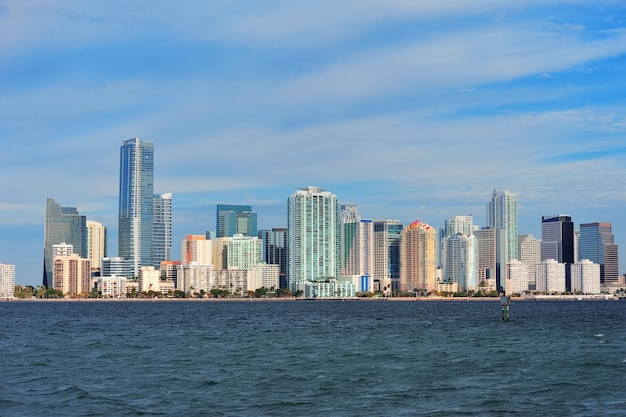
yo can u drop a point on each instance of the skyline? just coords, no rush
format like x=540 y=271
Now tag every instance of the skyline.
x=410 y=110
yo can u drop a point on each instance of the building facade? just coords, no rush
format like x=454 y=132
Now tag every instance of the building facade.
x=387 y=234
x=598 y=245
x=162 y=230
x=313 y=237
x=235 y=219
x=7 y=281
x=274 y=244
x=586 y=277
x=530 y=255
x=71 y=274
x=196 y=248
x=550 y=276
x=96 y=244
x=136 y=203
x=502 y=217
x=63 y=224
x=460 y=261
x=418 y=258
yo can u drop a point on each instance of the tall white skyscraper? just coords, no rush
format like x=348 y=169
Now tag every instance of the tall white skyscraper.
x=313 y=237
x=502 y=216
x=460 y=261
x=136 y=203
x=529 y=254
x=357 y=247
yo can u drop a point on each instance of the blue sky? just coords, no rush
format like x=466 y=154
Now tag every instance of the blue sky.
x=409 y=109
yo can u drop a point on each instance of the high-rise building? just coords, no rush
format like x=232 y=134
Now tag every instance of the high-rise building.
x=244 y=252
x=502 y=216
x=71 y=274
x=274 y=244
x=486 y=257
x=387 y=235
x=63 y=224
x=586 y=277
x=196 y=248
x=517 y=273
x=597 y=244
x=357 y=248
x=459 y=224
x=530 y=254
x=162 y=232
x=550 y=276
x=7 y=280
x=557 y=242
x=96 y=244
x=136 y=203
x=234 y=219
x=313 y=237
x=418 y=258
x=460 y=261
x=116 y=266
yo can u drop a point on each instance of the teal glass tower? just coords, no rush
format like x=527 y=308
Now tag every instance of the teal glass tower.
x=136 y=204
x=63 y=224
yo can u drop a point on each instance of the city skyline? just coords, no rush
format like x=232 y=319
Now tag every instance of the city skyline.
x=410 y=110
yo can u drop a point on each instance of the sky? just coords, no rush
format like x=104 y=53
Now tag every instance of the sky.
x=409 y=109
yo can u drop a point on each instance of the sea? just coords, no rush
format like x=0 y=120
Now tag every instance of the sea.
x=312 y=358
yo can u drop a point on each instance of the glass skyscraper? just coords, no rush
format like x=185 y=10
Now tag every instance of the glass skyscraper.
x=63 y=225
x=502 y=216
x=162 y=234
x=597 y=244
x=313 y=237
x=235 y=219
x=136 y=204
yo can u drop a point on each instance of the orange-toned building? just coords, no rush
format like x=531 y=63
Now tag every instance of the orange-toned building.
x=418 y=257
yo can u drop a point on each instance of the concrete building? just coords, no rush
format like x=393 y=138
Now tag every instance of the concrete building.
x=244 y=252
x=195 y=277
x=586 y=277
x=71 y=274
x=149 y=279
x=263 y=275
x=332 y=288
x=460 y=261
x=486 y=239
x=96 y=244
x=357 y=247
x=518 y=277
x=111 y=287
x=313 y=237
x=7 y=281
x=550 y=276
x=530 y=255
x=418 y=258
x=197 y=248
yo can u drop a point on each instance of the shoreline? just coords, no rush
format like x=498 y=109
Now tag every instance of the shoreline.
x=601 y=297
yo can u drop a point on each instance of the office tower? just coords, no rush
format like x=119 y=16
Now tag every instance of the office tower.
x=357 y=247
x=597 y=244
x=550 y=276
x=244 y=252
x=586 y=277
x=233 y=219
x=460 y=261
x=313 y=237
x=529 y=249
x=418 y=258
x=162 y=232
x=117 y=267
x=136 y=203
x=486 y=257
x=502 y=216
x=196 y=248
x=96 y=244
x=387 y=235
x=557 y=242
x=63 y=224
x=274 y=244
x=71 y=274
x=7 y=280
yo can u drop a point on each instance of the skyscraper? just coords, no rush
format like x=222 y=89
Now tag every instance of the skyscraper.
x=7 y=280
x=313 y=237
x=63 y=225
x=597 y=244
x=418 y=257
x=460 y=260
x=502 y=216
x=530 y=255
x=162 y=234
x=387 y=235
x=136 y=203
x=233 y=219
x=357 y=247
x=275 y=251
x=557 y=242
x=96 y=244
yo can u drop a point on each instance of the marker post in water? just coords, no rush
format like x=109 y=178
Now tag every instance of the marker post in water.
x=505 y=302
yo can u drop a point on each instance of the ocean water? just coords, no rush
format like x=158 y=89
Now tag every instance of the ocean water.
x=312 y=358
